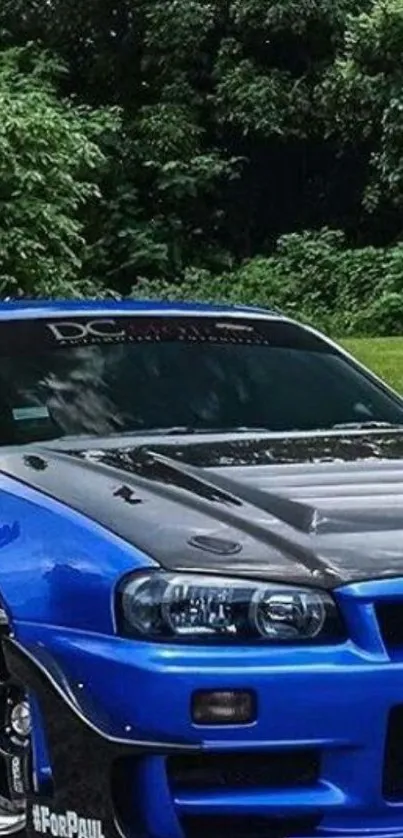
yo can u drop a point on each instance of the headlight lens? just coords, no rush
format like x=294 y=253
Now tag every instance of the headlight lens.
x=193 y=608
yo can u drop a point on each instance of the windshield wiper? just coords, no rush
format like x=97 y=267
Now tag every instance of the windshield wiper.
x=176 y=430
x=366 y=425
x=183 y=430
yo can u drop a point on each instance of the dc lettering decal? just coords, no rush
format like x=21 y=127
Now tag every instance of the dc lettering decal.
x=73 y=331
x=68 y=825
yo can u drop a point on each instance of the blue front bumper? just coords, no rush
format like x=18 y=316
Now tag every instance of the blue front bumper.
x=328 y=709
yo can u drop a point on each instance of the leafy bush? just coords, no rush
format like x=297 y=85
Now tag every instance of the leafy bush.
x=49 y=163
x=315 y=277
x=238 y=121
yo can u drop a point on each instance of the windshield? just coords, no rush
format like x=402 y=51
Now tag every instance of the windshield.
x=134 y=374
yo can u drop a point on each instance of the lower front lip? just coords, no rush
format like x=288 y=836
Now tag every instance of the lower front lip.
x=334 y=704
x=309 y=702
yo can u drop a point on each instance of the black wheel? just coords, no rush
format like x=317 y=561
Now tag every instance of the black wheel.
x=15 y=748
x=14 y=758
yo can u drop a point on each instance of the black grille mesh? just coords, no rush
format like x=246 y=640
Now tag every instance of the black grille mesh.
x=241 y=771
x=393 y=764
x=248 y=827
x=390 y=620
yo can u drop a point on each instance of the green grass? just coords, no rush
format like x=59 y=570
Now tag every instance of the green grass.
x=382 y=355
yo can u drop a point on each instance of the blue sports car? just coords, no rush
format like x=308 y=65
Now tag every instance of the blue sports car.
x=201 y=577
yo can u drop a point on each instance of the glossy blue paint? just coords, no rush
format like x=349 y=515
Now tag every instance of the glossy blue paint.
x=35 y=309
x=62 y=567
x=57 y=580
x=334 y=699
x=58 y=572
x=9 y=533
x=41 y=768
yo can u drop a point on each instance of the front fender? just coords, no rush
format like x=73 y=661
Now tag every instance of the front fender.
x=75 y=797
x=58 y=567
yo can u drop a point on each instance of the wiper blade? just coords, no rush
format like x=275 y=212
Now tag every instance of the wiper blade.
x=347 y=426
x=177 y=430
x=183 y=430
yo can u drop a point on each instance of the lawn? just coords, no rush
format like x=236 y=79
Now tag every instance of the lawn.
x=382 y=355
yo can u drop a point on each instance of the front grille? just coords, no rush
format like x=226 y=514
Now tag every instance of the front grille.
x=247 y=827
x=244 y=770
x=393 y=764
x=390 y=620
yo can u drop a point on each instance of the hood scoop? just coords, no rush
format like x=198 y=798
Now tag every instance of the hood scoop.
x=211 y=486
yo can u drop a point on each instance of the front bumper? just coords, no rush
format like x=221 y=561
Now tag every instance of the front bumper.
x=119 y=749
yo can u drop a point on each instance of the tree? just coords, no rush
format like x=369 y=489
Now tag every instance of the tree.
x=50 y=162
x=363 y=100
x=242 y=120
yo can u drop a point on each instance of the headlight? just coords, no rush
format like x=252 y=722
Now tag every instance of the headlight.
x=192 y=608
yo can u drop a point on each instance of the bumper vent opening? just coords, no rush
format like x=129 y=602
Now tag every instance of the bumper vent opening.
x=291 y=769
x=390 y=620
x=393 y=765
x=127 y=803
x=248 y=827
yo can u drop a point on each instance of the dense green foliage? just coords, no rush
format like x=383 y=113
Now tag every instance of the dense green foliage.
x=249 y=149
x=311 y=276
x=48 y=152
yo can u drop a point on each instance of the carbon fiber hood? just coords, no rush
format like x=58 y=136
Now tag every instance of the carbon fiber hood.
x=323 y=510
